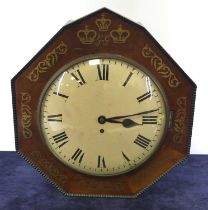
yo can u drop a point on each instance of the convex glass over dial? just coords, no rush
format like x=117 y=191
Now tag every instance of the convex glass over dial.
x=103 y=116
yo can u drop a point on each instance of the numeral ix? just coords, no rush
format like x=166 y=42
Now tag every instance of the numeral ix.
x=55 y=118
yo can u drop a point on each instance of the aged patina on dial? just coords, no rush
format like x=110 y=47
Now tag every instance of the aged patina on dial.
x=103 y=116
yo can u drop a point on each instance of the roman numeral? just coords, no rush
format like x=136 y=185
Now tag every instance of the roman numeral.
x=61 y=138
x=101 y=162
x=55 y=118
x=125 y=156
x=78 y=77
x=144 y=96
x=142 y=141
x=149 y=119
x=127 y=79
x=103 y=71
x=78 y=155
x=61 y=95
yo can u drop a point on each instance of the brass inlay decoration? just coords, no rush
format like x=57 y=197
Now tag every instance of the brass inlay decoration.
x=101 y=186
x=103 y=23
x=87 y=36
x=26 y=115
x=144 y=175
x=49 y=167
x=179 y=122
x=49 y=61
x=160 y=66
x=119 y=35
x=103 y=35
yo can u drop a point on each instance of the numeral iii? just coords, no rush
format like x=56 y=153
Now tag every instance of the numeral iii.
x=149 y=119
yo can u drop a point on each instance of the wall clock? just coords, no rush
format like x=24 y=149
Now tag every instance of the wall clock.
x=102 y=109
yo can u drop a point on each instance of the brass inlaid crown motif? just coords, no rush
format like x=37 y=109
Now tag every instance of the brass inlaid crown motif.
x=119 y=35
x=104 y=34
x=86 y=36
x=103 y=23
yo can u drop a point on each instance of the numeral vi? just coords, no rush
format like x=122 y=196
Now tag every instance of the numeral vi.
x=101 y=162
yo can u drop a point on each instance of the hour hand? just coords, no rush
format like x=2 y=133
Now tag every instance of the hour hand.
x=127 y=123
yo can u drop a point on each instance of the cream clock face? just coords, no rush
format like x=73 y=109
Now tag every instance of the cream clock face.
x=103 y=116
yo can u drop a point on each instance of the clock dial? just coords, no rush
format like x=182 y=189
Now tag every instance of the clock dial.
x=103 y=116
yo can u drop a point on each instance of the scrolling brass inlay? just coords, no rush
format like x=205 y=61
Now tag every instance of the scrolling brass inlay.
x=26 y=114
x=160 y=66
x=49 y=167
x=179 y=122
x=101 y=186
x=49 y=61
x=103 y=35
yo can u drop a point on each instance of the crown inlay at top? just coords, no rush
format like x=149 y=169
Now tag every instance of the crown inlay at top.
x=104 y=34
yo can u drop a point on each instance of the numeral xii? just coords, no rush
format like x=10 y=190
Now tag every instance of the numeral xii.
x=103 y=71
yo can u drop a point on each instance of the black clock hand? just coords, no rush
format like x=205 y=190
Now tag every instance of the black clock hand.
x=112 y=119
x=127 y=123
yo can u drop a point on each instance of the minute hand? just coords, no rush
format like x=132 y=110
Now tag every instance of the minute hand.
x=124 y=116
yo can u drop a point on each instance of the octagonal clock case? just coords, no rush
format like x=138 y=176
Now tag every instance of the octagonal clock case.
x=102 y=109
